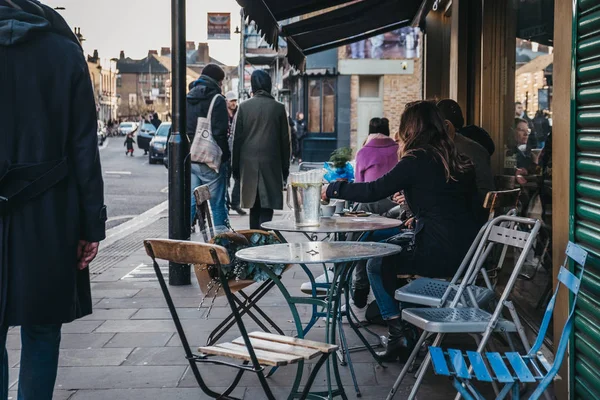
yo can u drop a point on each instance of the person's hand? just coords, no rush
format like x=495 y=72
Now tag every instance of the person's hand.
x=86 y=252
x=521 y=171
x=521 y=180
x=398 y=198
x=324 y=193
x=410 y=223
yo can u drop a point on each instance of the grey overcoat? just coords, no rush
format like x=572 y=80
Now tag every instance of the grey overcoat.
x=261 y=150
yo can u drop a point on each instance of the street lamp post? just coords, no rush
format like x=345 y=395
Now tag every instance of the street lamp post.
x=178 y=151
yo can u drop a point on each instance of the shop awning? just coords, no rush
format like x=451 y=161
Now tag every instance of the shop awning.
x=350 y=22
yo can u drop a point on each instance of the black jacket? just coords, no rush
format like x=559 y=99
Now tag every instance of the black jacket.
x=445 y=212
x=198 y=103
x=48 y=113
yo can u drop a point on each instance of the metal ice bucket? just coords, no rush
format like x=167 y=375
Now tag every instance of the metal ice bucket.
x=305 y=202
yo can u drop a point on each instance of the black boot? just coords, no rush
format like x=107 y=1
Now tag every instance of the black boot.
x=401 y=341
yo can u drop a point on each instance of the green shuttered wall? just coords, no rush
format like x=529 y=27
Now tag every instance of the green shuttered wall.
x=585 y=360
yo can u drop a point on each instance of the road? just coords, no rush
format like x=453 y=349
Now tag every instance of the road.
x=131 y=185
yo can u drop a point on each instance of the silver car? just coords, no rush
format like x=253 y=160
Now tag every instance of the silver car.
x=158 y=144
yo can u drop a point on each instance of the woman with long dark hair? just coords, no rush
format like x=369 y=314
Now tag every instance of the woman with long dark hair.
x=439 y=187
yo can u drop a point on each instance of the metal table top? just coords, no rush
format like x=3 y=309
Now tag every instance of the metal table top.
x=316 y=252
x=336 y=225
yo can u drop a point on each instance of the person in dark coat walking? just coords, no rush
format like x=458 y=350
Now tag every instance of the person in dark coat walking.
x=207 y=87
x=155 y=120
x=52 y=215
x=439 y=187
x=261 y=151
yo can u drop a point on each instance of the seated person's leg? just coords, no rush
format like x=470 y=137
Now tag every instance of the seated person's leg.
x=382 y=274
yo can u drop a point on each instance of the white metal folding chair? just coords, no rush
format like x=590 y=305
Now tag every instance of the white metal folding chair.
x=456 y=318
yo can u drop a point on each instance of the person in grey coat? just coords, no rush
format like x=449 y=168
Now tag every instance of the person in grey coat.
x=261 y=151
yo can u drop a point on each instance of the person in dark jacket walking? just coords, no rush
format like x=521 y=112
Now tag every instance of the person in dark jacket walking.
x=261 y=151
x=439 y=187
x=301 y=131
x=155 y=120
x=53 y=215
x=198 y=103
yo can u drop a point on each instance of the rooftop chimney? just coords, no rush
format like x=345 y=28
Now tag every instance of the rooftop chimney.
x=96 y=55
x=151 y=52
x=190 y=46
x=122 y=55
x=165 y=51
x=203 y=55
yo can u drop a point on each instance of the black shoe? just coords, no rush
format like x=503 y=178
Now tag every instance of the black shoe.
x=238 y=210
x=401 y=341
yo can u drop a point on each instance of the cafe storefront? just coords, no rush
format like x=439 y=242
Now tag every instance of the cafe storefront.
x=488 y=55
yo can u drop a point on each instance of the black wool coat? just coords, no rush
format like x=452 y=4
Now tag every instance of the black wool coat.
x=48 y=113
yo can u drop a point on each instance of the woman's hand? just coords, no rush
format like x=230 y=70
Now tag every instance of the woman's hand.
x=324 y=193
x=398 y=198
x=410 y=223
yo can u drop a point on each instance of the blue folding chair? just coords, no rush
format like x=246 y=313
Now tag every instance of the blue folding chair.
x=529 y=368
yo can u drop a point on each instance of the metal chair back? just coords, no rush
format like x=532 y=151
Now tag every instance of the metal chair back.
x=203 y=215
x=573 y=283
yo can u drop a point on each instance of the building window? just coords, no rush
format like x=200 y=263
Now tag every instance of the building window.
x=119 y=81
x=321 y=105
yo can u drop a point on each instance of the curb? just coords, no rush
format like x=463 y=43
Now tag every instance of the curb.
x=133 y=225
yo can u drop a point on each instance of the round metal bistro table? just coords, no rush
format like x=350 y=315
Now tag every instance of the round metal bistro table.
x=343 y=255
x=334 y=225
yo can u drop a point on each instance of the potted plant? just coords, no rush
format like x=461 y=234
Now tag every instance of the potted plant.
x=339 y=167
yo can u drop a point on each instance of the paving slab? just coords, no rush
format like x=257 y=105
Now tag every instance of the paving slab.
x=93 y=357
x=84 y=340
x=126 y=340
x=154 y=394
x=157 y=356
x=163 y=313
x=124 y=377
x=102 y=314
x=81 y=326
x=57 y=395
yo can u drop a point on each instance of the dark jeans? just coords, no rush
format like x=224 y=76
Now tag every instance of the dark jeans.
x=259 y=215
x=39 y=362
x=360 y=284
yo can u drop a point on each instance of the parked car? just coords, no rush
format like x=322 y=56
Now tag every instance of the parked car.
x=145 y=133
x=125 y=128
x=101 y=133
x=158 y=145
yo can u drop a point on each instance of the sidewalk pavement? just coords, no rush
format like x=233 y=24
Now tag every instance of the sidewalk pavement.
x=128 y=349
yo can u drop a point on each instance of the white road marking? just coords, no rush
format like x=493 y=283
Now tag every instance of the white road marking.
x=120 y=217
x=165 y=190
x=117 y=172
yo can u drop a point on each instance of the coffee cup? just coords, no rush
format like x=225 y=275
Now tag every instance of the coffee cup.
x=327 y=211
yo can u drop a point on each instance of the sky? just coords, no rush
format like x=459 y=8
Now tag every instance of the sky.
x=137 y=26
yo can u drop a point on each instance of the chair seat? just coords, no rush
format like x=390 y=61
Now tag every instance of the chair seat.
x=429 y=292
x=270 y=349
x=454 y=320
x=505 y=368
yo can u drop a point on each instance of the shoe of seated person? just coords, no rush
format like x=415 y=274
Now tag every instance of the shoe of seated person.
x=307 y=287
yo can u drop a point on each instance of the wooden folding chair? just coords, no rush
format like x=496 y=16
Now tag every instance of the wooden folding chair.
x=256 y=349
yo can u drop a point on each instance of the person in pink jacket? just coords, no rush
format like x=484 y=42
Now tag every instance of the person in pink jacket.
x=379 y=154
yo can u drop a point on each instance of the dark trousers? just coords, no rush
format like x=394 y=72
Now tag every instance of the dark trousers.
x=39 y=362
x=259 y=215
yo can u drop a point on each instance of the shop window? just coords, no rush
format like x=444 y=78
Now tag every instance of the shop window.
x=321 y=105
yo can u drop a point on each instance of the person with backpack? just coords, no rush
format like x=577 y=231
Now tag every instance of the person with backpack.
x=210 y=155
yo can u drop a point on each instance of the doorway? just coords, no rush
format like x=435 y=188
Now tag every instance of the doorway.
x=369 y=105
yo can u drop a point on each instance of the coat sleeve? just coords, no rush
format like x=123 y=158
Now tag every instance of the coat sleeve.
x=359 y=172
x=238 y=141
x=220 y=127
x=403 y=176
x=85 y=158
x=285 y=144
